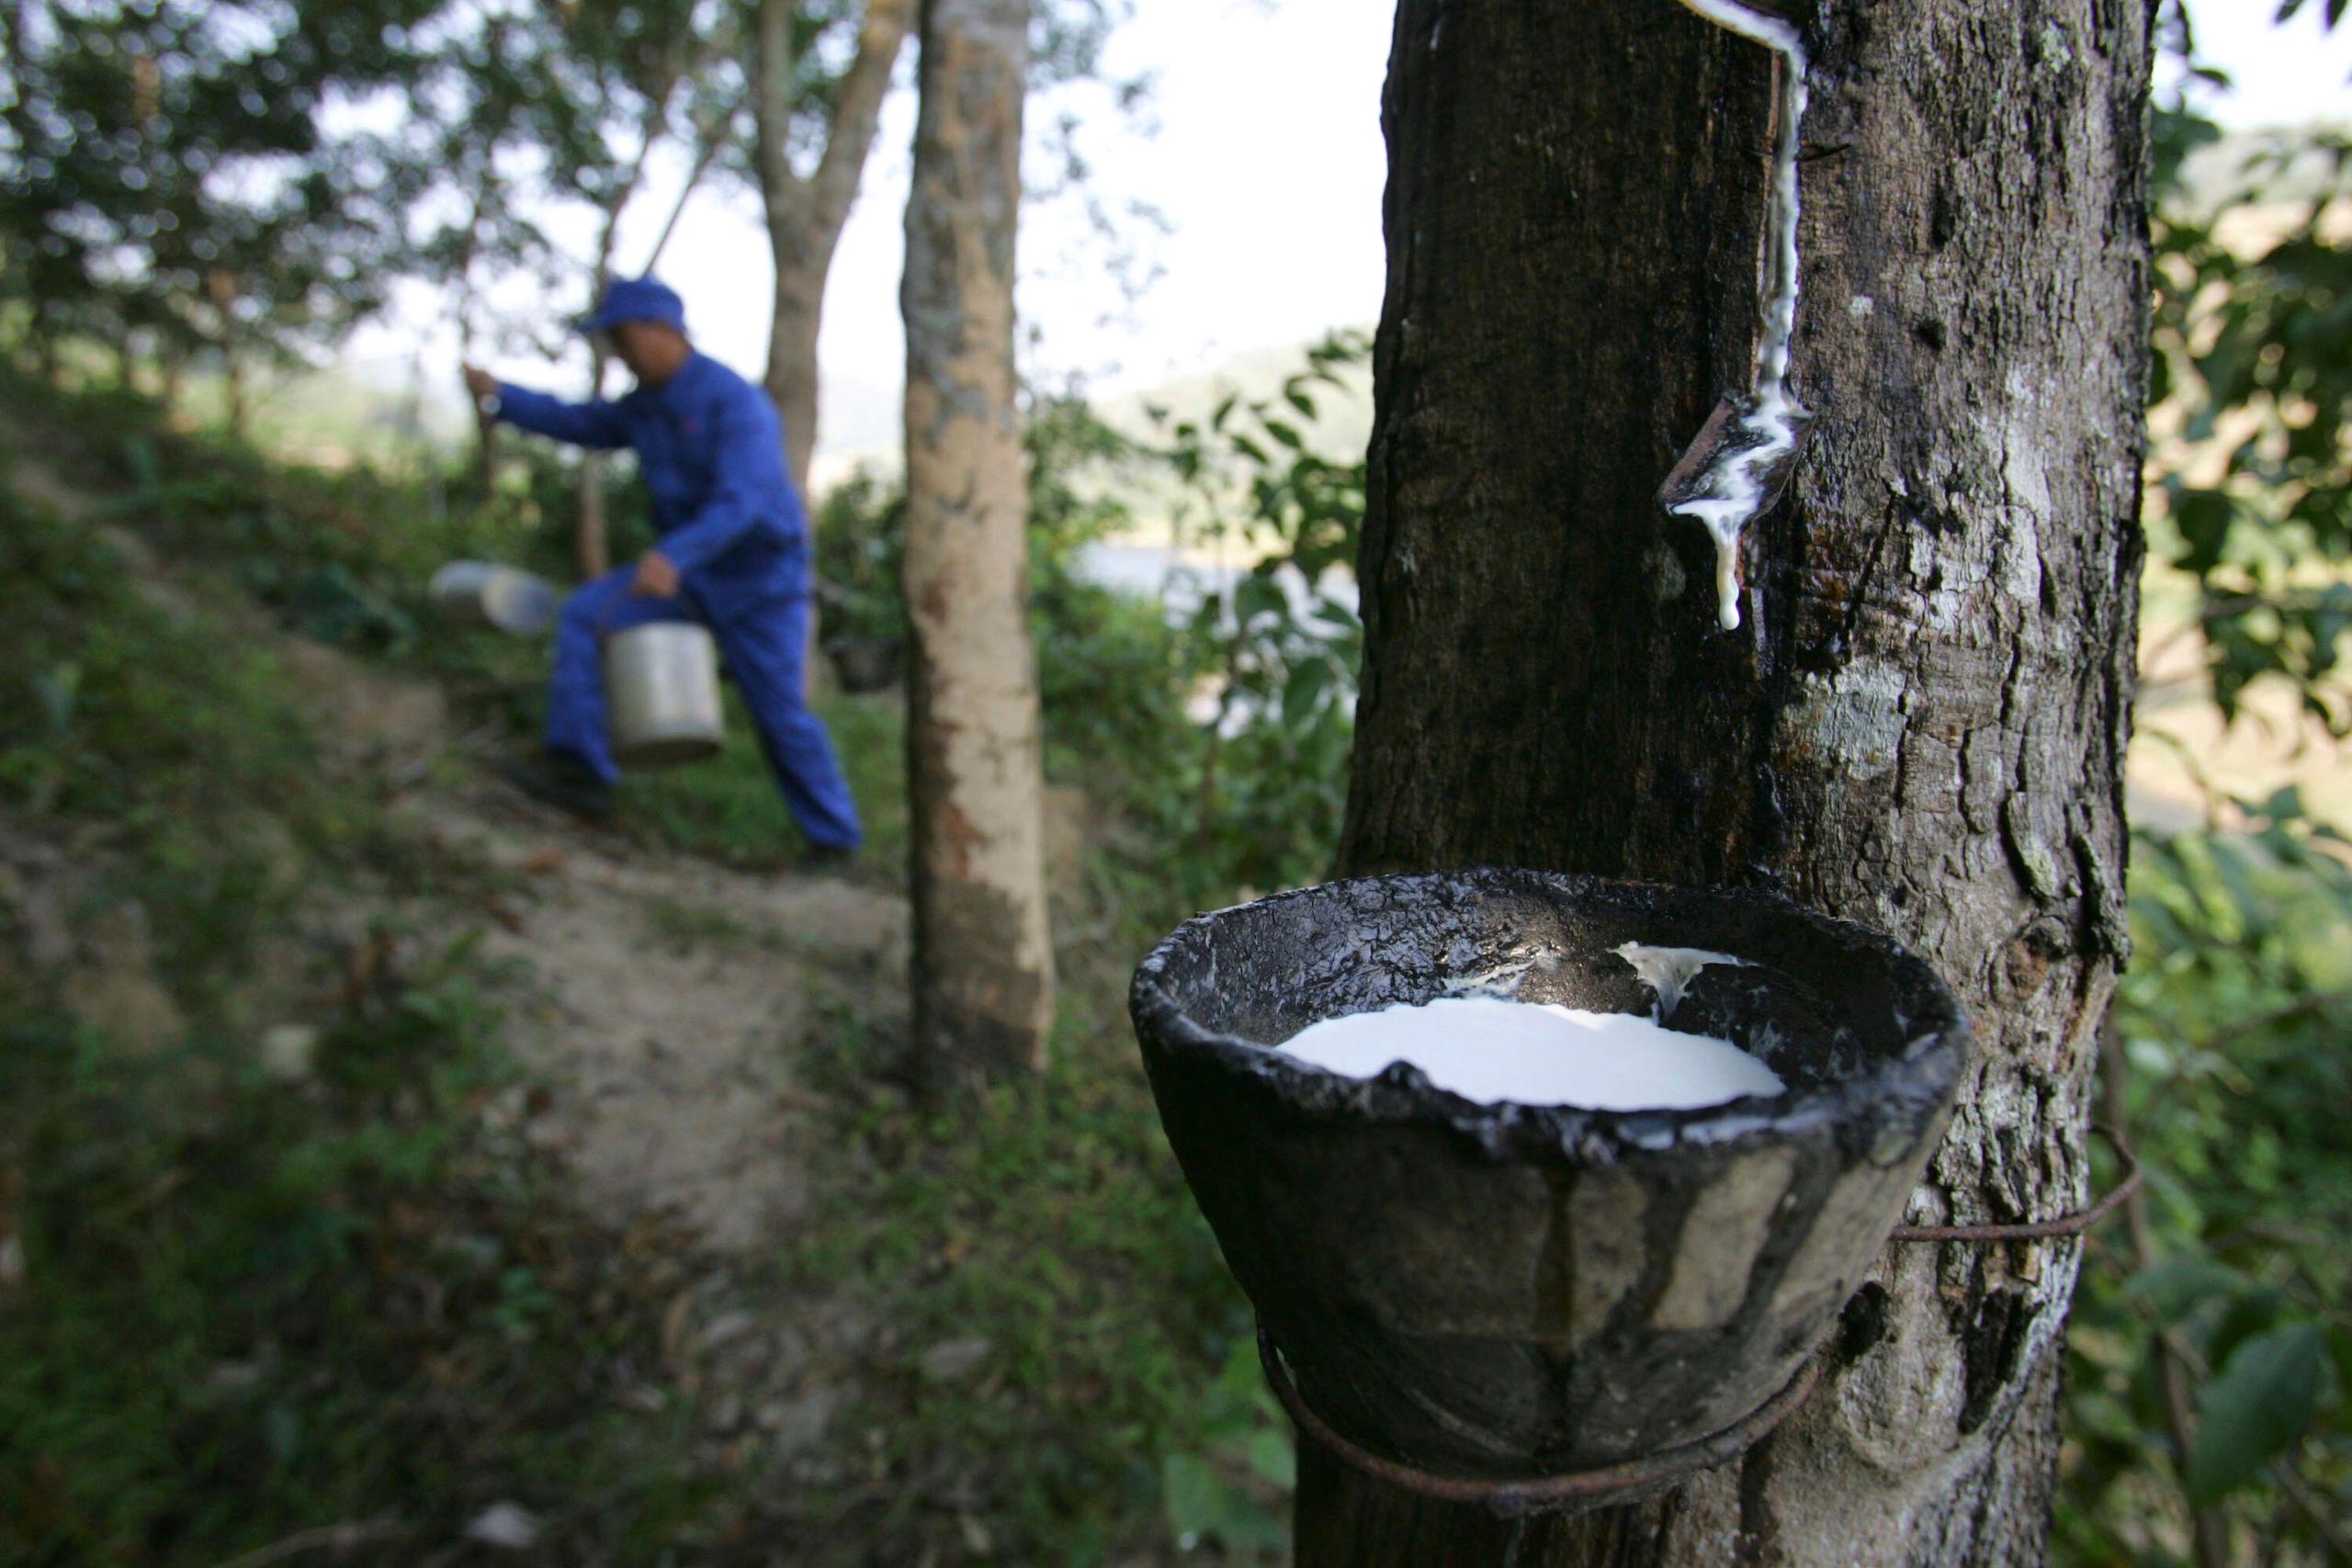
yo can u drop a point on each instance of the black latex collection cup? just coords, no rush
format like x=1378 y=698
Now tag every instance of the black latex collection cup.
x=1504 y=1291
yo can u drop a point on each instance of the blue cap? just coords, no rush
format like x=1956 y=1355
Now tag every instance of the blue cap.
x=637 y=300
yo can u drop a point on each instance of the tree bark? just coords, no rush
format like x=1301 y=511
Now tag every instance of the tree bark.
x=1920 y=724
x=983 y=966
x=805 y=214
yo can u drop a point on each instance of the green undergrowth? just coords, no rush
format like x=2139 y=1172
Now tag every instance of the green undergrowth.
x=251 y=1307
x=257 y=1301
x=727 y=809
x=2233 y=1071
x=1116 y=1405
x=247 y=1297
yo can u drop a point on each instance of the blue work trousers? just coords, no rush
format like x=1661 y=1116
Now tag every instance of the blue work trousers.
x=763 y=649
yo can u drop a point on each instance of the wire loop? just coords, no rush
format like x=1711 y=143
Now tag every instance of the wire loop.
x=1541 y=1494
x=2074 y=1223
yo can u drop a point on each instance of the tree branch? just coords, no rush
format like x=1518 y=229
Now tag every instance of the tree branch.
x=707 y=151
x=772 y=108
x=657 y=111
x=857 y=109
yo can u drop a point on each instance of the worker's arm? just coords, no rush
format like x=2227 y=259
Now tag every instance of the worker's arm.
x=597 y=423
x=747 y=483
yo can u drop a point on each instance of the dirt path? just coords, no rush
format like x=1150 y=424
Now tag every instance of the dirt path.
x=665 y=998
x=668 y=999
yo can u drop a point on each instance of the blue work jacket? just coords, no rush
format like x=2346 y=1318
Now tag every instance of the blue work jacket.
x=711 y=449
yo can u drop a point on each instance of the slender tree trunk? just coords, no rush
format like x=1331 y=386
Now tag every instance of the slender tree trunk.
x=792 y=344
x=221 y=287
x=173 y=353
x=1920 y=723
x=233 y=373
x=590 y=541
x=485 y=478
x=983 y=966
x=485 y=454
x=805 y=214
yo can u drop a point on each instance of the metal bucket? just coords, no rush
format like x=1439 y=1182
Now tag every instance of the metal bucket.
x=661 y=685
x=493 y=596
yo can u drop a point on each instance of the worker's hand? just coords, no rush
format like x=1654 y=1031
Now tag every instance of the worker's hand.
x=656 y=577
x=481 y=383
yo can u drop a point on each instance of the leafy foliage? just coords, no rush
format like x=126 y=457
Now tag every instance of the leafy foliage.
x=2253 y=340
x=2211 y=1342
x=1122 y=1397
x=1285 y=640
x=248 y=1304
x=2231 y=1029
x=166 y=168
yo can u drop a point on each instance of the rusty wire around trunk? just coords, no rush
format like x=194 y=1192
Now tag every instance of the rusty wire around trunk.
x=2074 y=1223
x=1509 y=1498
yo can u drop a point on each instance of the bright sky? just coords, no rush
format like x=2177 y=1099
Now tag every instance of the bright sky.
x=1269 y=165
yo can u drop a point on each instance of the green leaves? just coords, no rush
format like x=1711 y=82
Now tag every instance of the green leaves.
x=1217 y=1495
x=2175 y=1287
x=1191 y=1496
x=151 y=146
x=2256 y=1407
x=2253 y=360
x=2229 y=1034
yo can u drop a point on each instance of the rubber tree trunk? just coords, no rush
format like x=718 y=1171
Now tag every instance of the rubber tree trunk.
x=983 y=967
x=1920 y=724
x=233 y=376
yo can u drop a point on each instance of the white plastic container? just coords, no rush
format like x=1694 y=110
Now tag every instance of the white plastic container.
x=662 y=687
x=492 y=595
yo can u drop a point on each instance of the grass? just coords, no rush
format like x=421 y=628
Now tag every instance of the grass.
x=1117 y=1404
x=727 y=809
x=251 y=1305
x=256 y=1305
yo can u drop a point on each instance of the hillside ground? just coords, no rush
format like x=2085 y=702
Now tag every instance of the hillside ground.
x=391 y=1170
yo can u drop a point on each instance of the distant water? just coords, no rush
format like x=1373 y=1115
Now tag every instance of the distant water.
x=1184 y=581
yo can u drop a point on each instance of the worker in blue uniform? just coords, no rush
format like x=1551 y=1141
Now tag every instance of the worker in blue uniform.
x=733 y=553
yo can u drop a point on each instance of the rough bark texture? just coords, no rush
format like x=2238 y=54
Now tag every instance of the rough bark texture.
x=983 y=968
x=1920 y=725
x=805 y=214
